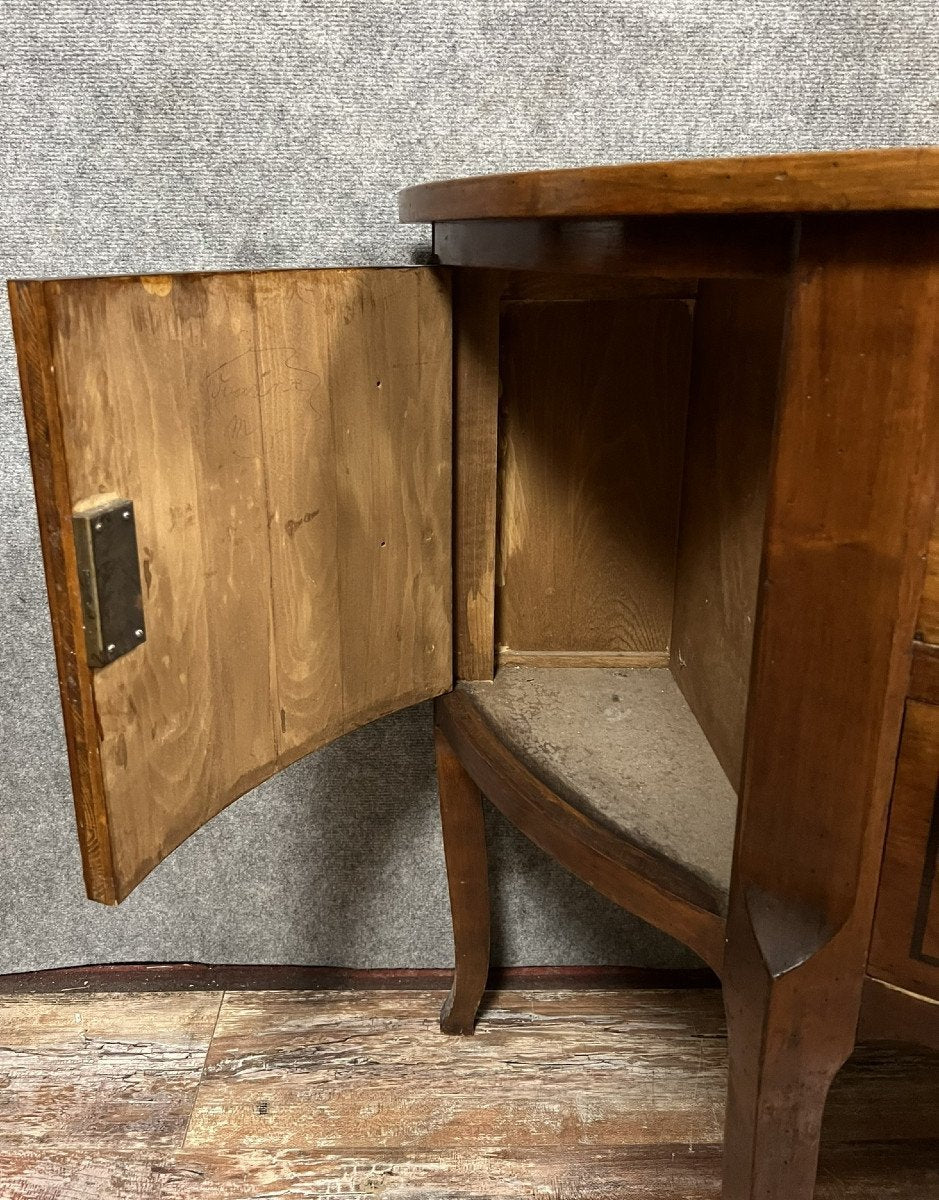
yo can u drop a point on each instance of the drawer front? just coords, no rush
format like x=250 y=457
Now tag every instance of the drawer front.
x=905 y=946
x=928 y=623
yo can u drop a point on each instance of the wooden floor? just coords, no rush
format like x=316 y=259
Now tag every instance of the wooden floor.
x=568 y=1095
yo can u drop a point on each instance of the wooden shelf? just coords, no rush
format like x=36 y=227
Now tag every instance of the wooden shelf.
x=622 y=747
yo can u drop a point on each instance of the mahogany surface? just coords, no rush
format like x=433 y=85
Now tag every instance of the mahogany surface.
x=843 y=565
x=851 y=494
x=844 y=181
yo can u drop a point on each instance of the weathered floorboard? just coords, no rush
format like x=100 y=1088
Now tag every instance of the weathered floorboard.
x=106 y=1071
x=567 y=1095
x=666 y=1172
x=567 y=1069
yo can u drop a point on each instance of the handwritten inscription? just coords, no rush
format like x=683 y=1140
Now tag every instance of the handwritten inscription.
x=238 y=392
x=292 y=526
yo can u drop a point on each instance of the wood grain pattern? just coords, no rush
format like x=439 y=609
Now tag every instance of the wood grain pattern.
x=652 y=1063
x=842 y=181
x=905 y=945
x=847 y=521
x=927 y=625
x=594 y=398
x=358 y=451
x=738 y=332
x=476 y=300
x=864 y=329
x=286 y=440
x=926 y=943
x=101 y=1072
x=333 y=1073
x=159 y=403
x=869 y=1171
x=582 y=658
x=33 y=336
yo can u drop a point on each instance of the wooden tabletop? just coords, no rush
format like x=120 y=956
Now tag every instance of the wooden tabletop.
x=852 y=180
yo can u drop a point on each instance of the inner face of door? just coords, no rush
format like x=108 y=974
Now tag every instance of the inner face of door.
x=285 y=440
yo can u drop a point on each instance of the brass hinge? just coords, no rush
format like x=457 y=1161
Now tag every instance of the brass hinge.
x=109 y=578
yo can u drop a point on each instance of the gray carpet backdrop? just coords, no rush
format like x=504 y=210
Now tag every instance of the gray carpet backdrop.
x=178 y=135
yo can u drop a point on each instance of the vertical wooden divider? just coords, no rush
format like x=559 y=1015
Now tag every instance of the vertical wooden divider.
x=476 y=304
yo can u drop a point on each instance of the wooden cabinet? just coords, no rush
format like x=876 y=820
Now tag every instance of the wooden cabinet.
x=659 y=439
x=905 y=947
x=905 y=944
x=928 y=621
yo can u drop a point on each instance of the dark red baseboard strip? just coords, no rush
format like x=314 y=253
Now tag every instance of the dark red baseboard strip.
x=196 y=977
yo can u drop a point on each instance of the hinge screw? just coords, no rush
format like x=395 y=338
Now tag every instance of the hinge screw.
x=111 y=648
x=126 y=514
x=138 y=633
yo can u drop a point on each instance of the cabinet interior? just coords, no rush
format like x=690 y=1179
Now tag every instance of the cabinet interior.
x=285 y=438
x=635 y=433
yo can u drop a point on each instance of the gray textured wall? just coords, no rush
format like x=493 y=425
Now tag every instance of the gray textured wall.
x=174 y=135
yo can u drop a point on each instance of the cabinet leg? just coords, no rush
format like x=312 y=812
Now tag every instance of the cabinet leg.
x=788 y=1035
x=774 y=1118
x=464 y=845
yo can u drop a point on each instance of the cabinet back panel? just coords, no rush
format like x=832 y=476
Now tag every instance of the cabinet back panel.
x=285 y=439
x=593 y=418
x=737 y=346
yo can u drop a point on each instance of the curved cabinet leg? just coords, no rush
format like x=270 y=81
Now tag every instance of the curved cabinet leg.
x=789 y=1030
x=464 y=845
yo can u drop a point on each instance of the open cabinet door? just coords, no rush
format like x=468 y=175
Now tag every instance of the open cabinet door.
x=281 y=442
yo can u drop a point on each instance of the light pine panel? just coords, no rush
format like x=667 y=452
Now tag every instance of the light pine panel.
x=285 y=438
x=738 y=339
x=359 y=493
x=476 y=300
x=594 y=400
